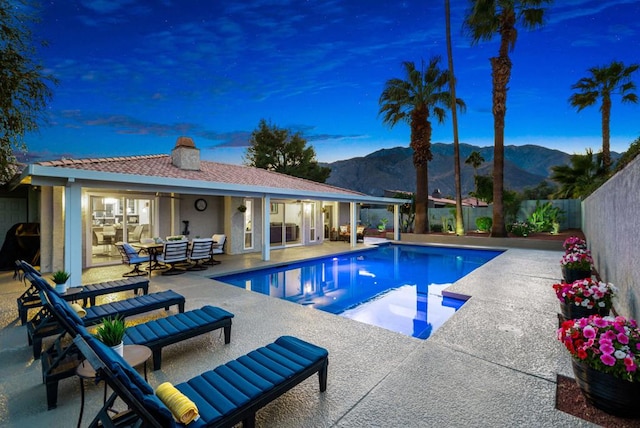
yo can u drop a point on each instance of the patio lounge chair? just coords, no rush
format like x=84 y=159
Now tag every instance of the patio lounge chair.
x=131 y=257
x=225 y=396
x=217 y=248
x=173 y=254
x=59 y=362
x=345 y=233
x=43 y=324
x=87 y=293
x=200 y=253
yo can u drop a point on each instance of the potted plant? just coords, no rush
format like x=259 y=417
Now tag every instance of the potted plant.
x=576 y=264
x=60 y=278
x=605 y=355
x=585 y=297
x=111 y=332
x=573 y=242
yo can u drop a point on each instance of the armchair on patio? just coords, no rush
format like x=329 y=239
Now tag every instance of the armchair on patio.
x=173 y=254
x=131 y=257
x=345 y=233
x=200 y=253
x=217 y=248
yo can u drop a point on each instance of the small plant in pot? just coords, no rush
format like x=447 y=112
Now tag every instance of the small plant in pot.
x=585 y=297
x=576 y=264
x=605 y=355
x=111 y=332
x=60 y=278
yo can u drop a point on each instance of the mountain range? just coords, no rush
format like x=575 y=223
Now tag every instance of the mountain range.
x=392 y=169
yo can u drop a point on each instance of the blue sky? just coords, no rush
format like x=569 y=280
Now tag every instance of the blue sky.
x=136 y=75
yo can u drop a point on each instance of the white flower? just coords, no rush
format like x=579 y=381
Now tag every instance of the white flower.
x=621 y=355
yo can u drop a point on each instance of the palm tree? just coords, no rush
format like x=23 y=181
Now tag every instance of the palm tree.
x=485 y=19
x=454 y=120
x=581 y=178
x=602 y=83
x=475 y=159
x=413 y=100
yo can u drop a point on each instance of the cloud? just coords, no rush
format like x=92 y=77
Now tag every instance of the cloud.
x=105 y=6
x=123 y=124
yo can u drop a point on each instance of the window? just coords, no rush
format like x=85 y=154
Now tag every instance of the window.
x=248 y=225
x=311 y=209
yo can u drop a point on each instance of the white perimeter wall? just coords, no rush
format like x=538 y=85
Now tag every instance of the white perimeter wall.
x=611 y=225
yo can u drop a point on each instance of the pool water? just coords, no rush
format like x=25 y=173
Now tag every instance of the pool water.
x=397 y=287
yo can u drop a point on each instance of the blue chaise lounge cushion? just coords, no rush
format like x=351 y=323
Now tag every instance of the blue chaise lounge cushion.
x=163 y=328
x=222 y=390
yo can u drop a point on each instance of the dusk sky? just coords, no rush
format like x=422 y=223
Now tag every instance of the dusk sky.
x=136 y=75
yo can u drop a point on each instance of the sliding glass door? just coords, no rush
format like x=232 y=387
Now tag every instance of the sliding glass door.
x=286 y=223
x=116 y=218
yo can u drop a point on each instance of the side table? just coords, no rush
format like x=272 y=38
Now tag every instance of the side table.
x=132 y=354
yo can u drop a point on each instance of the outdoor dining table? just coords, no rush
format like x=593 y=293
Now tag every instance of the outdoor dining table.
x=153 y=249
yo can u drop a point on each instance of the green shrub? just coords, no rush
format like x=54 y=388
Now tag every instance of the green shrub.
x=483 y=224
x=437 y=228
x=545 y=217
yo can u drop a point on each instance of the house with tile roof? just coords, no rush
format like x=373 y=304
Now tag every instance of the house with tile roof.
x=86 y=205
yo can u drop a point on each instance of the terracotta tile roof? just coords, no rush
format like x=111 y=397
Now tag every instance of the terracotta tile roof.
x=161 y=166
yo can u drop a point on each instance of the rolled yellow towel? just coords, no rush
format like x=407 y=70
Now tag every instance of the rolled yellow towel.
x=79 y=310
x=183 y=409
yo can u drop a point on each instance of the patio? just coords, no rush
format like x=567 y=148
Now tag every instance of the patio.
x=493 y=364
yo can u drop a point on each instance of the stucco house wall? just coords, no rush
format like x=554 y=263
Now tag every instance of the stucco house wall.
x=610 y=224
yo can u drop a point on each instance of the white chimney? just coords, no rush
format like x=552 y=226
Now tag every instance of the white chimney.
x=185 y=155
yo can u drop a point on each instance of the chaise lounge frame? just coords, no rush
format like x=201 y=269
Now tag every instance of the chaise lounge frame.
x=43 y=324
x=59 y=362
x=30 y=299
x=145 y=409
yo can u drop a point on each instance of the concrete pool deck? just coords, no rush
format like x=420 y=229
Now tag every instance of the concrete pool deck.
x=494 y=363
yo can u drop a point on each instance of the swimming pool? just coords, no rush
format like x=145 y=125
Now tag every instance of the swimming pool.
x=397 y=287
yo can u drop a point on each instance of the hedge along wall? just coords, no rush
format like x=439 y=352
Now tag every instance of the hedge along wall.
x=610 y=224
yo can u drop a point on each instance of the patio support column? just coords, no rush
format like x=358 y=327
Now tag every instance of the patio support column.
x=266 y=228
x=73 y=231
x=396 y=222
x=353 y=221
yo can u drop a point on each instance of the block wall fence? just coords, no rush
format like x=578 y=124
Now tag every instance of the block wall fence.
x=612 y=228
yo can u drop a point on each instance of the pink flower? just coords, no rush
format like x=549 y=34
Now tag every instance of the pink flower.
x=608 y=360
x=599 y=322
x=623 y=338
x=588 y=331
x=606 y=348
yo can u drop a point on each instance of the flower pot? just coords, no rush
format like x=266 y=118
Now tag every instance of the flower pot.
x=119 y=348
x=62 y=288
x=571 y=275
x=570 y=311
x=613 y=395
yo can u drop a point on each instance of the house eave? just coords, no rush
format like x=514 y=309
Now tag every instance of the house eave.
x=39 y=175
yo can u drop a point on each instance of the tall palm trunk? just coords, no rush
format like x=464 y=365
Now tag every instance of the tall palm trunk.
x=420 y=143
x=454 y=119
x=606 y=117
x=500 y=73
